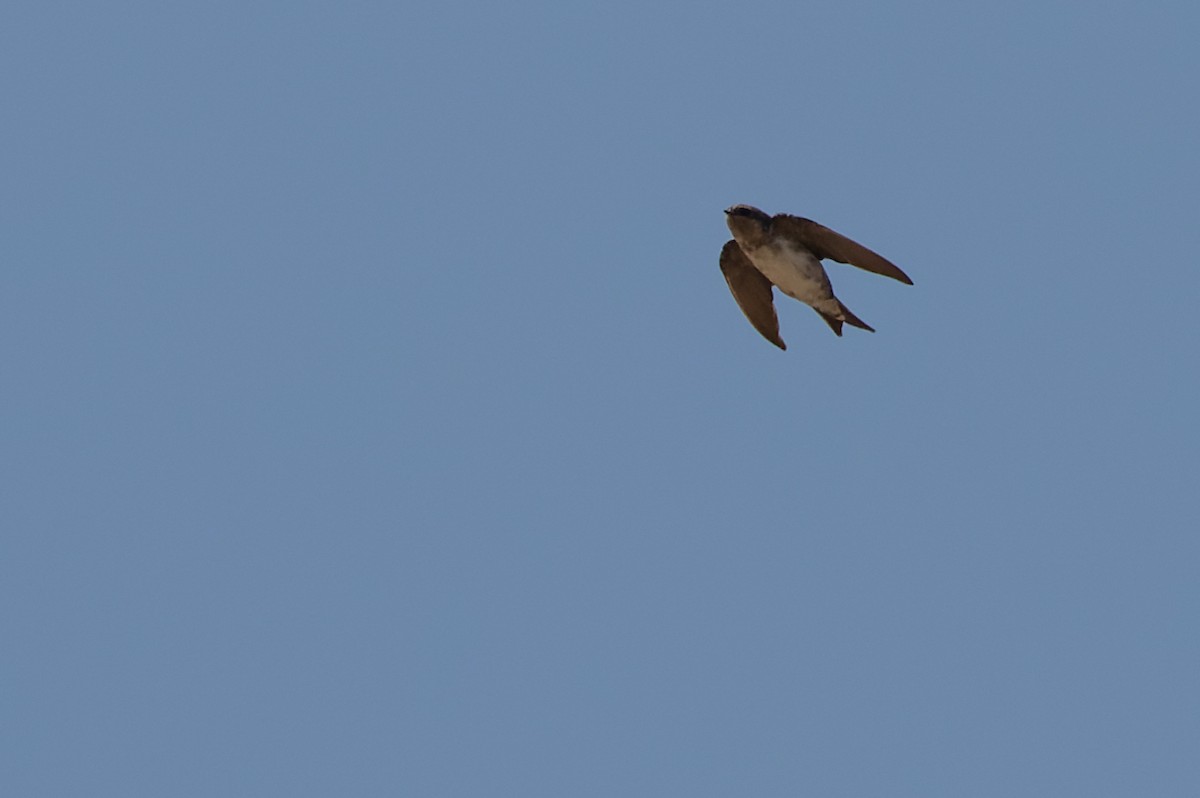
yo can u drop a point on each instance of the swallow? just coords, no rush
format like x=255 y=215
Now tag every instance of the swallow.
x=786 y=252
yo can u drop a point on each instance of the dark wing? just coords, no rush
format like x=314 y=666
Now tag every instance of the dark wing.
x=825 y=243
x=752 y=291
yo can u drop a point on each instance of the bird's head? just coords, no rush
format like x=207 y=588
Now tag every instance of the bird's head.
x=747 y=223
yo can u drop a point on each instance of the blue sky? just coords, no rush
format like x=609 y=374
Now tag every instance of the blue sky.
x=376 y=420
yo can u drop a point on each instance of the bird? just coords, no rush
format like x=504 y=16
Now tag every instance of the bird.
x=785 y=252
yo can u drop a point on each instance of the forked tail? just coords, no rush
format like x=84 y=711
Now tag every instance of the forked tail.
x=853 y=320
x=836 y=324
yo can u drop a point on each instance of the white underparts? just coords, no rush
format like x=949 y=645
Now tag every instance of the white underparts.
x=796 y=272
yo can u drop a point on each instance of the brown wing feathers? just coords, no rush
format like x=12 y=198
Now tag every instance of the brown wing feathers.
x=752 y=291
x=826 y=243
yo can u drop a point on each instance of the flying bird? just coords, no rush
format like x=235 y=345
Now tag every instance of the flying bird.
x=786 y=252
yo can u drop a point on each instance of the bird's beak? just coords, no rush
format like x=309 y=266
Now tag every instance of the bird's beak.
x=727 y=210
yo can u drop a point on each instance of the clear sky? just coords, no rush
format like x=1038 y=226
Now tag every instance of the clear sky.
x=376 y=420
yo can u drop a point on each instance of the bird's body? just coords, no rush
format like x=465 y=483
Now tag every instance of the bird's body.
x=786 y=252
x=792 y=269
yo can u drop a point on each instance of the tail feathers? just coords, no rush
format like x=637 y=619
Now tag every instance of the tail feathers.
x=835 y=323
x=853 y=320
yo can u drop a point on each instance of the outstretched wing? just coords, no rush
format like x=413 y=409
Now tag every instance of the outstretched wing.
x=825 y=243
x=752 y=291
